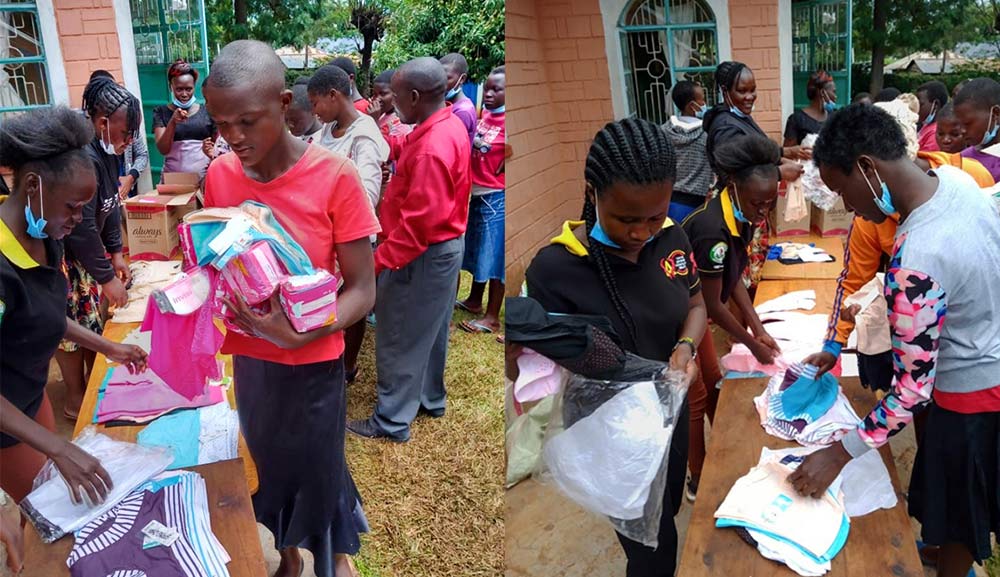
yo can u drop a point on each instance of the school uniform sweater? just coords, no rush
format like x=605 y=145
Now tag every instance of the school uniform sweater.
x=942 y=296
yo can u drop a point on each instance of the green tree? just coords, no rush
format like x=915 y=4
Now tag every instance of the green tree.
x=894 y=29
x=474 y=28
x=277 y=22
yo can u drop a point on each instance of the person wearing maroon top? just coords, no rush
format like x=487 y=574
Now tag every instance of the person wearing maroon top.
x=423 y=214
x=484 y=241
x=457 y=69
x=347 y=65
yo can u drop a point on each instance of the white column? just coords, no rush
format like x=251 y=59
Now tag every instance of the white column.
x=130 y=71
x=55 y=68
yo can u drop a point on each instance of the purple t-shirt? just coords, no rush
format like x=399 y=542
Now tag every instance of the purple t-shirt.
x=465 y=110
x=990 y=162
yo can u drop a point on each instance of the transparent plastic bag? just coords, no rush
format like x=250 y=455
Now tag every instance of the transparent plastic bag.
x=49 y=506
x=607 y=445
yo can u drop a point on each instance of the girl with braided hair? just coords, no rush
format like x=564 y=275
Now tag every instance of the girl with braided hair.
x=114 y=114
x=627 y=261
x=54 y=182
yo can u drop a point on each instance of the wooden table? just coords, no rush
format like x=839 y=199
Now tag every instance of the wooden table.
x=117 y=332
x=826 y=290
x=833 y=245
x=232 y=522
x=880 y=543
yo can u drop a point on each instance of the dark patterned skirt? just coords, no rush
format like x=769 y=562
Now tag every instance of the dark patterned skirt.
x=294 y=421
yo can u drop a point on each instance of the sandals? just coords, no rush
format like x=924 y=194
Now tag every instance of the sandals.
x=461 y=305
x=476 y=326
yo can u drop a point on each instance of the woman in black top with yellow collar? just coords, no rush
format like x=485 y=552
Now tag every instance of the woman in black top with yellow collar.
x=720 y=233
x=627 y=261
x=53 y=181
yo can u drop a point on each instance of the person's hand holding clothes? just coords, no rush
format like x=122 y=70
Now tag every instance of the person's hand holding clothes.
x=122 y=271
x=824 y=360
x=114 y=291
x=82 y=472
x=764 y=348
x=790 y=170
x=818 y=470
x=131 y=356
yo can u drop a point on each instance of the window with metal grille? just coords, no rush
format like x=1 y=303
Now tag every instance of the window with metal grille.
x=663 y=42
x=24 y=81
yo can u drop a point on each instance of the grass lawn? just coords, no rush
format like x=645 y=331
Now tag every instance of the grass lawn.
x=435 y=504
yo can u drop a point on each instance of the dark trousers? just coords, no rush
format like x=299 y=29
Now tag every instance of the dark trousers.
x=414 y=306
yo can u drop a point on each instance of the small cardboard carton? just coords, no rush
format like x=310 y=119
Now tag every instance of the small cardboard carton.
x=179 y=183
x=833 y=222
x=152 y=224
x=782 y=227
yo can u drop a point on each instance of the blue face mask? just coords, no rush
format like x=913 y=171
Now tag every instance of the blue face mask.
x=991 y=131
x=184 y=105
x=700 y=113
x=36 y=227
x=597 y=233
x=498 y=110
x=454 y=91
x=737 y=211
x=883 y=202
x=930 y=117
x=829 y=106
x=737 y=111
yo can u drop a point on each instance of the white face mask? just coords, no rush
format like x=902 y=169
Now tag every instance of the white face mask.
x=109 y=147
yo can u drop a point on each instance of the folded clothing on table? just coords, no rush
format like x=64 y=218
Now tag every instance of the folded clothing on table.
x=144 y=396
x=161 y=529
x=802 y=532
x=796 y=406
x=49 y=506
x=196 y=437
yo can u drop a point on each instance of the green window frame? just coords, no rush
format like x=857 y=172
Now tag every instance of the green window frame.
x=23 y=59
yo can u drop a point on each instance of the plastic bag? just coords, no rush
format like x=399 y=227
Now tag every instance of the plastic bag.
x=813 y=188
x=49 y=506
x=796 y=207
x=608 y=442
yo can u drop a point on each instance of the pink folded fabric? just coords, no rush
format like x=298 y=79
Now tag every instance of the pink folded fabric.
x=145 y=396
x=183 y=348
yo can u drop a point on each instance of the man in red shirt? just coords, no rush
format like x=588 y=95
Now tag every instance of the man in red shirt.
x=424 y=213
x=347 y=65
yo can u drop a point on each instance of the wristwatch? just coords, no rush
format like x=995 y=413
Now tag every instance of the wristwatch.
x=687 y=341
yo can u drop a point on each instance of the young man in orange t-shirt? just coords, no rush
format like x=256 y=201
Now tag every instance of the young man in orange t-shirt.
x=289 y=385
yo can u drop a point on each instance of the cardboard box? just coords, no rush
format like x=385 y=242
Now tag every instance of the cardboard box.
x=152 y=221
x=179 y=183
x=779 y=226
x=833 y=222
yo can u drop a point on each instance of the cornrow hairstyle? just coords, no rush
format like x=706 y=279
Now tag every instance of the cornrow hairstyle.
x=817 y=80
x=181 y=67
x=629 y=151
x=743 y=156
x=727 y=74
x=99 y=73
x=50 y=141
x=936 y=92
x=983 y=93
x=856 y=130
x=103 y=97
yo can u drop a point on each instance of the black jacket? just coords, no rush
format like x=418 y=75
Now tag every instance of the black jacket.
x=721 y=124
x=100 y=232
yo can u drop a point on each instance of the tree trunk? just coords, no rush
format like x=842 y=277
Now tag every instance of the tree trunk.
x=879 y=17
x=240 y=9
x=944 y=62
x=366 y=61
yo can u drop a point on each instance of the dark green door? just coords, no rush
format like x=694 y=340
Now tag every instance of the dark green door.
x=164 y=31
x=821 y=40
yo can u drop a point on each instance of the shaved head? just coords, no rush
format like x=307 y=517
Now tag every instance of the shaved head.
x=425 y=75
x=246 y=62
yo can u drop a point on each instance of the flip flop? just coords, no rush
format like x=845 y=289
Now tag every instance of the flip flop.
x=475 y=327
x=70 y=416
x=501 y=340
x=461 y=305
